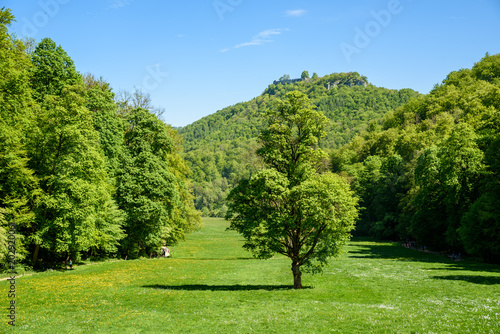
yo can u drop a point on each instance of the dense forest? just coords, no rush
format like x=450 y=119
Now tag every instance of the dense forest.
x=220 y=148
x=430 y=172
x=86 y=173
x=82 y=174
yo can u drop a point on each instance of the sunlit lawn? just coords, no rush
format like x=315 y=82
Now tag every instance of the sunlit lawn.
x=211 y=285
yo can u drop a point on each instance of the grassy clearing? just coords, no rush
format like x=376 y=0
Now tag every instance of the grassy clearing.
x=211 y=285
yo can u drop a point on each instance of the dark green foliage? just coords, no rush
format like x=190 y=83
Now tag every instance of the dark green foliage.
x=146 y=185
x=480 y=228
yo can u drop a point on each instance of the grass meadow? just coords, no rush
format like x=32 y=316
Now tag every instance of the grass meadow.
x=211 y=285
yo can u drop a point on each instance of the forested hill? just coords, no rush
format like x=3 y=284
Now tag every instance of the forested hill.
x=220 y=147
x=347 y=99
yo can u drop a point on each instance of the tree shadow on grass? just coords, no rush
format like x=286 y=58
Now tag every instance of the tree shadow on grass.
x=471 y=266
x=214 y=258
x=394 y=251
x=476 y=279
x=205 y=287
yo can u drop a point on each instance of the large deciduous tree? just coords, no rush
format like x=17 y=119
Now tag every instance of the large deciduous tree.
x=75 y=212
x=100 y=101
x=292 y=208
x=147 y=187
x=74 y=209
x=52 y=70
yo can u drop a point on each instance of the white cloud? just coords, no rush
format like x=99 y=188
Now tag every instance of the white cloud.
x=259 y=39
x=270 y=32
x=120 y=3
x=295 y=12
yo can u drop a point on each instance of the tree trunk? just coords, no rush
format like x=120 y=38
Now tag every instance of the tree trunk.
x=297 y=276
x=35 y=255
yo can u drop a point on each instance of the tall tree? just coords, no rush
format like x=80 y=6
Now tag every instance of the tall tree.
x=146 y=186
x=291 y=208
x=53 y=70
x=66 y=156
x=75 y=212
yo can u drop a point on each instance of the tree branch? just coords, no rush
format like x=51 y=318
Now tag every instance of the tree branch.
x=316 y=238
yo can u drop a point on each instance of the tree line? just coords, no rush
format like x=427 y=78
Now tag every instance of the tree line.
x=430 y=172
x=83 y=174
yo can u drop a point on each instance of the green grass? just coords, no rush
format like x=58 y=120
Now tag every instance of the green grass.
x=211 y=285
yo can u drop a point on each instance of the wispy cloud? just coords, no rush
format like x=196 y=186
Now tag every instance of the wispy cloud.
x=120 y=3
x=295 y=12
x=261 y=38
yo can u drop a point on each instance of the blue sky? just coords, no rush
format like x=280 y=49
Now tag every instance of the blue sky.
x=198 y=56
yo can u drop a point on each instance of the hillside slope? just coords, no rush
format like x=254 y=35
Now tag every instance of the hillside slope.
x=220 y=147
x=431 y=173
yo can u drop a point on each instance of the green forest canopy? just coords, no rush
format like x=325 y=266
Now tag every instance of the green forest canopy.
x=82 y=175
x=430 y=172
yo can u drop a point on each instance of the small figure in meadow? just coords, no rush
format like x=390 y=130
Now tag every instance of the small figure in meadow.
x=165 y=252
x=70 y=264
